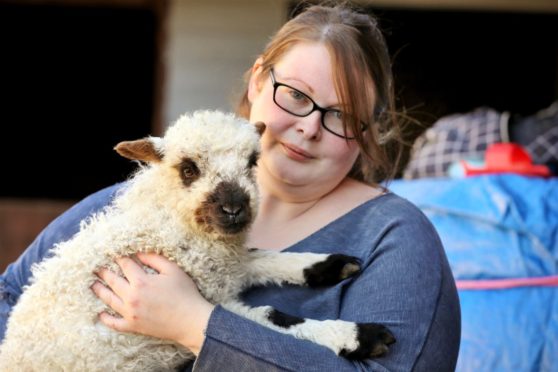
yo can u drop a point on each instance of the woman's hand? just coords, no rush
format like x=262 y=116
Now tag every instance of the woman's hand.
x=166 y=305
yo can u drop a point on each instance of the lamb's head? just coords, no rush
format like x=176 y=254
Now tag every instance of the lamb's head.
x=203 y=169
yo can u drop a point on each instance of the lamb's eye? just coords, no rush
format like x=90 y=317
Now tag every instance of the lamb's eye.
x=189 y=171
x=253 y=160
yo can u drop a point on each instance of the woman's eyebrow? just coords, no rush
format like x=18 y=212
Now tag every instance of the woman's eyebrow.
x=290 y=80
x=286 y=79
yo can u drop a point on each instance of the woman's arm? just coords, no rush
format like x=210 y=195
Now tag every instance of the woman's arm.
x=406 y=285
x=17 y=274
x=168 y=305
x=401 y=287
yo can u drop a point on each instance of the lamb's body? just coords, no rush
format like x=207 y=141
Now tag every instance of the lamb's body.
x=216 y=271
x=196 y=215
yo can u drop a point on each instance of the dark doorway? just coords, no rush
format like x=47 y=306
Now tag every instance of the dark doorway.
x=74 y=81
x=448 y=62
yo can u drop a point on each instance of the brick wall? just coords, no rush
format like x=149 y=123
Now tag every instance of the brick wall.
x=20 y=222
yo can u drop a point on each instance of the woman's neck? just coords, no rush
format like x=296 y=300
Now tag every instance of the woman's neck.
x=277 y=222
x=284 y=220
x=276 y=209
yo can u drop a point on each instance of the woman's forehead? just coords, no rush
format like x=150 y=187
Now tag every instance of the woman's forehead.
x=307 y=66
x=307 y=56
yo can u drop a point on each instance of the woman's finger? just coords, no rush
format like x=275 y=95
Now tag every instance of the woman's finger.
x=117 y=283
x=114 y=322
x=131 y=269
x=108 y=297
x=158 y=262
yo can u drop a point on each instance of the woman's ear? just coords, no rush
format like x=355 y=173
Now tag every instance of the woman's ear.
x=254 y=84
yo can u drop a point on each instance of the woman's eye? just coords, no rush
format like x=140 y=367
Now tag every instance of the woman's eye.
x=338 y=114
x=296 y=95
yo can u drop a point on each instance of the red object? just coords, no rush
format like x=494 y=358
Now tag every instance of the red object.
x=507 y=158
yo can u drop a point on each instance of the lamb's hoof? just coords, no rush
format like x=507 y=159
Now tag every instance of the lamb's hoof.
x=373 y=342
x=334 y=269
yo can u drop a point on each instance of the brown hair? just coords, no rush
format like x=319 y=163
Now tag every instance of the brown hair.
x=360 y=56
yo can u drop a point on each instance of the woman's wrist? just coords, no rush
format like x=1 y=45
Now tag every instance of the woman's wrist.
x=194 y=334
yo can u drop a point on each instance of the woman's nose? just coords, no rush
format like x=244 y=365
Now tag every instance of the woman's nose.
x=310 y=126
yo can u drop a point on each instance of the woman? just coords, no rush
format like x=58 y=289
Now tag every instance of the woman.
x=323 y=87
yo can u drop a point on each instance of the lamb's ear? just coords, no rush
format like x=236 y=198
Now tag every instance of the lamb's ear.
x=146 y=149
x=260 y=127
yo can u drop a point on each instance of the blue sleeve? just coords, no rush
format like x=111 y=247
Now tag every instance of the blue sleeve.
x=234 y=343
x=62 y=228
x=404 y=282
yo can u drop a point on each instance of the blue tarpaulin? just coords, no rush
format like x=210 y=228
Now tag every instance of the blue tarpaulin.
x=498 y=228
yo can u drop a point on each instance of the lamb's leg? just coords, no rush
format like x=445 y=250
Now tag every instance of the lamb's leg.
x=312 y=269
x=348 y=339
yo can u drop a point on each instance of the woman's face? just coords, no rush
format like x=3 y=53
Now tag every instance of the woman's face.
x=298 y=152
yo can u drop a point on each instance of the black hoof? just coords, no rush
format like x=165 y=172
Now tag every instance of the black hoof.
x=331 y=271
x=373 y=341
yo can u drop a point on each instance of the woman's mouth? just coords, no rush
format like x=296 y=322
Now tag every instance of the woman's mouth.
x=296 y=153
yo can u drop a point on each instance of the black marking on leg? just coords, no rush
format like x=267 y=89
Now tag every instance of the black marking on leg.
x=373 y=341
x=283 y=320
x=332 y=270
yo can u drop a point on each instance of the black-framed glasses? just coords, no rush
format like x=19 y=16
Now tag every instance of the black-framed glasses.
x=299 y=104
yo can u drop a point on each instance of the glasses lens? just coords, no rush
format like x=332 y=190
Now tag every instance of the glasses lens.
x=333 y=121
x=293 y=101
x=297 y=103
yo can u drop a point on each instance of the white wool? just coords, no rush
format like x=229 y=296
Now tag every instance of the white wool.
x=55 y=326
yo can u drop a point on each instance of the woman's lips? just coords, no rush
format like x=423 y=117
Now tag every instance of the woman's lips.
x=296 y=153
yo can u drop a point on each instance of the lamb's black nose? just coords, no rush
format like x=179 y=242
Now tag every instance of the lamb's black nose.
x=232 y=210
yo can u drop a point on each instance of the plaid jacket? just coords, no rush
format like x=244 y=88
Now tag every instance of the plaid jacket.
x=467 y=136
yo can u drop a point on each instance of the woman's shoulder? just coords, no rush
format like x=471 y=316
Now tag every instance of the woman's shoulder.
x=387 y=221
x=352 y=195
x=389 y=208
x=367 y=211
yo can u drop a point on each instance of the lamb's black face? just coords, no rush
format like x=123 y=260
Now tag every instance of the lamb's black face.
x=226 y=209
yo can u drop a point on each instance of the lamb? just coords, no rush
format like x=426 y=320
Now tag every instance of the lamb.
x=193 y=202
